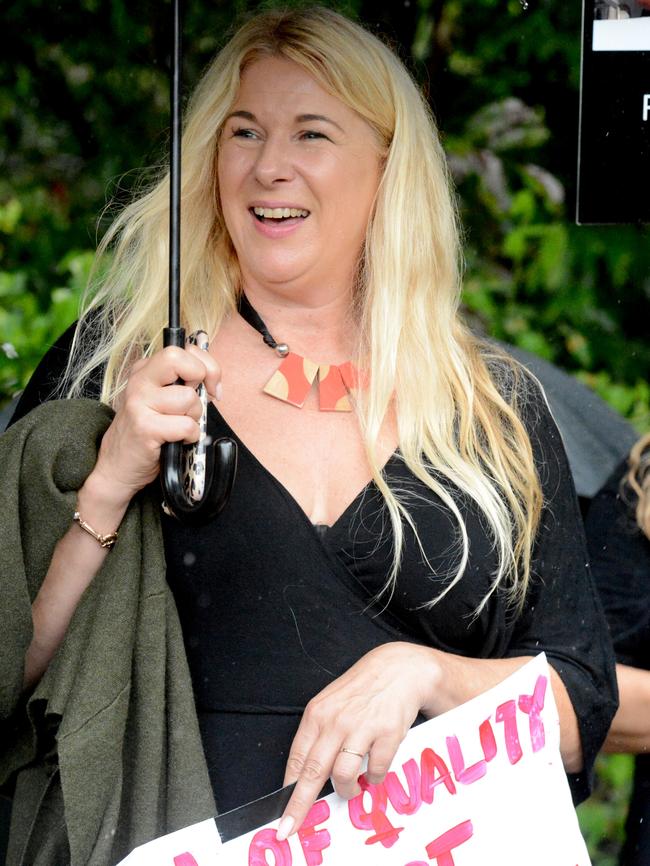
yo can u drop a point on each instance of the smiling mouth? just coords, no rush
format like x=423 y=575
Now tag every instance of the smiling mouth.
x=278 y=215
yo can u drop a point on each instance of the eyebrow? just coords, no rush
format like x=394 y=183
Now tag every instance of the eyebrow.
x=301 y=118
x=307 y=118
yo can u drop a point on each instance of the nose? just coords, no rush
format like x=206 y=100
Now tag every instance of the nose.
x=273 y=164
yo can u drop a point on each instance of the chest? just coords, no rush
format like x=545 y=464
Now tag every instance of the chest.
x=260 y=580
x=319 y=457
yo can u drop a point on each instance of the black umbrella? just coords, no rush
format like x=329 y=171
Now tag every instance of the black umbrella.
x=196 y=479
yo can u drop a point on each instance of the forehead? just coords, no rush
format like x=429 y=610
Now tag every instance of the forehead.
x=275 y=82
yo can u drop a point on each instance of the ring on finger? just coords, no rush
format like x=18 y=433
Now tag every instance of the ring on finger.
x=352 y=752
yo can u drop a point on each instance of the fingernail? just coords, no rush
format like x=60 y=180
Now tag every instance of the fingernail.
x=218 y=391
x=284 y=828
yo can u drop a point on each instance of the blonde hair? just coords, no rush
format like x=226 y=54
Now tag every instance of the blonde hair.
x=638 y=478
x=454 y=423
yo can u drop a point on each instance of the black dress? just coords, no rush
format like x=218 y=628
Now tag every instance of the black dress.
x=620 y=560
x=273 y=608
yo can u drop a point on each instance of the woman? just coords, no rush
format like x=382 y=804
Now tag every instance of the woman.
x=618 y=536
x=371 y=565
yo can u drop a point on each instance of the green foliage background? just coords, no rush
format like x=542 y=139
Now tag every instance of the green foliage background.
x=83 y=102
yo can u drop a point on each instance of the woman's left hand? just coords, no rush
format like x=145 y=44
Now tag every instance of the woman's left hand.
x=370 y=708
x=367 y=710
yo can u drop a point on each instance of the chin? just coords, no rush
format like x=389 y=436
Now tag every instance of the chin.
x=277 y=273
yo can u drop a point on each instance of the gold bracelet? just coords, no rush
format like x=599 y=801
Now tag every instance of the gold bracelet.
x=106 y=541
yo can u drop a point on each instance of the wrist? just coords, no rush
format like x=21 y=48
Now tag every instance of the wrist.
x=106 y=541
x=448 y=680
x=102 y=503
x=431 y=679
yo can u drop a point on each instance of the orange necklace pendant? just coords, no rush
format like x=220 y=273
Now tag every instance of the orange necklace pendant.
x=293 y=380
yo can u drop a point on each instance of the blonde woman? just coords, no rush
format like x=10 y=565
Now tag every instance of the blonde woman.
x=390 y=558
x=618 y=535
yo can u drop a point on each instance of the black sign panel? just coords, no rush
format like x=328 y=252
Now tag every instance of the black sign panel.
x=614 y=148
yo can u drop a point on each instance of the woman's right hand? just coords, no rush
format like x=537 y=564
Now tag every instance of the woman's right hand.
x=153 y=410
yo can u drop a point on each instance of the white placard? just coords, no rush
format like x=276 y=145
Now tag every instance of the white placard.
x=200 y=843
x=482 y=784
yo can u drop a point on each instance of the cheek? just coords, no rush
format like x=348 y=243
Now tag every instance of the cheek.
x=223 y=180
x=356 y=197
x=231 y=170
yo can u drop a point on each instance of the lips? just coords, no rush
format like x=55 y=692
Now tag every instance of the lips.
x=277 y=221
x=277 y=214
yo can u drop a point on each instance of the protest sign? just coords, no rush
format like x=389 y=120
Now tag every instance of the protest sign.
x=483 y=783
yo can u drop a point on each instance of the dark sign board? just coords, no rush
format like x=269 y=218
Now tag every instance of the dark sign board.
x=614 y=147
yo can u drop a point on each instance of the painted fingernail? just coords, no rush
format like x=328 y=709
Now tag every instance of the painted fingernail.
x=284 y=828
x=218 y=391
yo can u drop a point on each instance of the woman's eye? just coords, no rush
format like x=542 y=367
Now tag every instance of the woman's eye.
x=244 y=133
x=312 y=135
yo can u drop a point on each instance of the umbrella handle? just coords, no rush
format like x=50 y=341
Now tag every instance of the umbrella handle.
x=196 y=479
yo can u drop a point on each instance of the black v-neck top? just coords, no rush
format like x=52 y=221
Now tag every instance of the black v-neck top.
x=273 y=608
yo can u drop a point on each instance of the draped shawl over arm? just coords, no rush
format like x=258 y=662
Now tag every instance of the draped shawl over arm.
x=105 y=753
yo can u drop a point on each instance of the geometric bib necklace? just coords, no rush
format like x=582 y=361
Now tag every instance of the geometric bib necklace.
x=293 y=379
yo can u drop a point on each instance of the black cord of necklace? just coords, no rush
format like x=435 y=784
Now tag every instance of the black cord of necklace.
x=249 y=314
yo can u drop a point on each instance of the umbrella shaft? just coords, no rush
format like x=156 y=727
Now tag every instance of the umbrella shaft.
x=175 y=174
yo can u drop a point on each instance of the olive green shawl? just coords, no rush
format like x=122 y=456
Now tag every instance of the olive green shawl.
x=105 y=753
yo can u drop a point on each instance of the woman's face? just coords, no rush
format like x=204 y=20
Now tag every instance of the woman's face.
x=298 y=172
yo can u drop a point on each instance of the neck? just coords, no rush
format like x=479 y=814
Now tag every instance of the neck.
x=317 y=324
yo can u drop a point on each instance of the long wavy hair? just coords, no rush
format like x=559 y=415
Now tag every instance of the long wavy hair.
x=638 y=481
x=455 y=424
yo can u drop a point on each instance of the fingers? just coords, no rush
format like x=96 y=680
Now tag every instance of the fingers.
x=149 y=409
x=310 y=770
x=344 y=764
x=307 y=734
x=174 y=428
x=212 y=377
x=154 y=381
x=310 y=760
x=346 y=772
x=317 y=756
x=192 y=365
x=381 y=757
x=176 y=400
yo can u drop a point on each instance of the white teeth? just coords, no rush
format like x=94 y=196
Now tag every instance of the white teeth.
x=279 y=212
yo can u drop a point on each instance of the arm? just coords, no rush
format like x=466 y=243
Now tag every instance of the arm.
x=76 y=560
x=464 y=678
x=630 y=730
x=154 y=410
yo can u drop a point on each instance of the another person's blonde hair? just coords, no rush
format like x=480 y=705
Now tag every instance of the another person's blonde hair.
x=638 y=479
x=454 y=423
